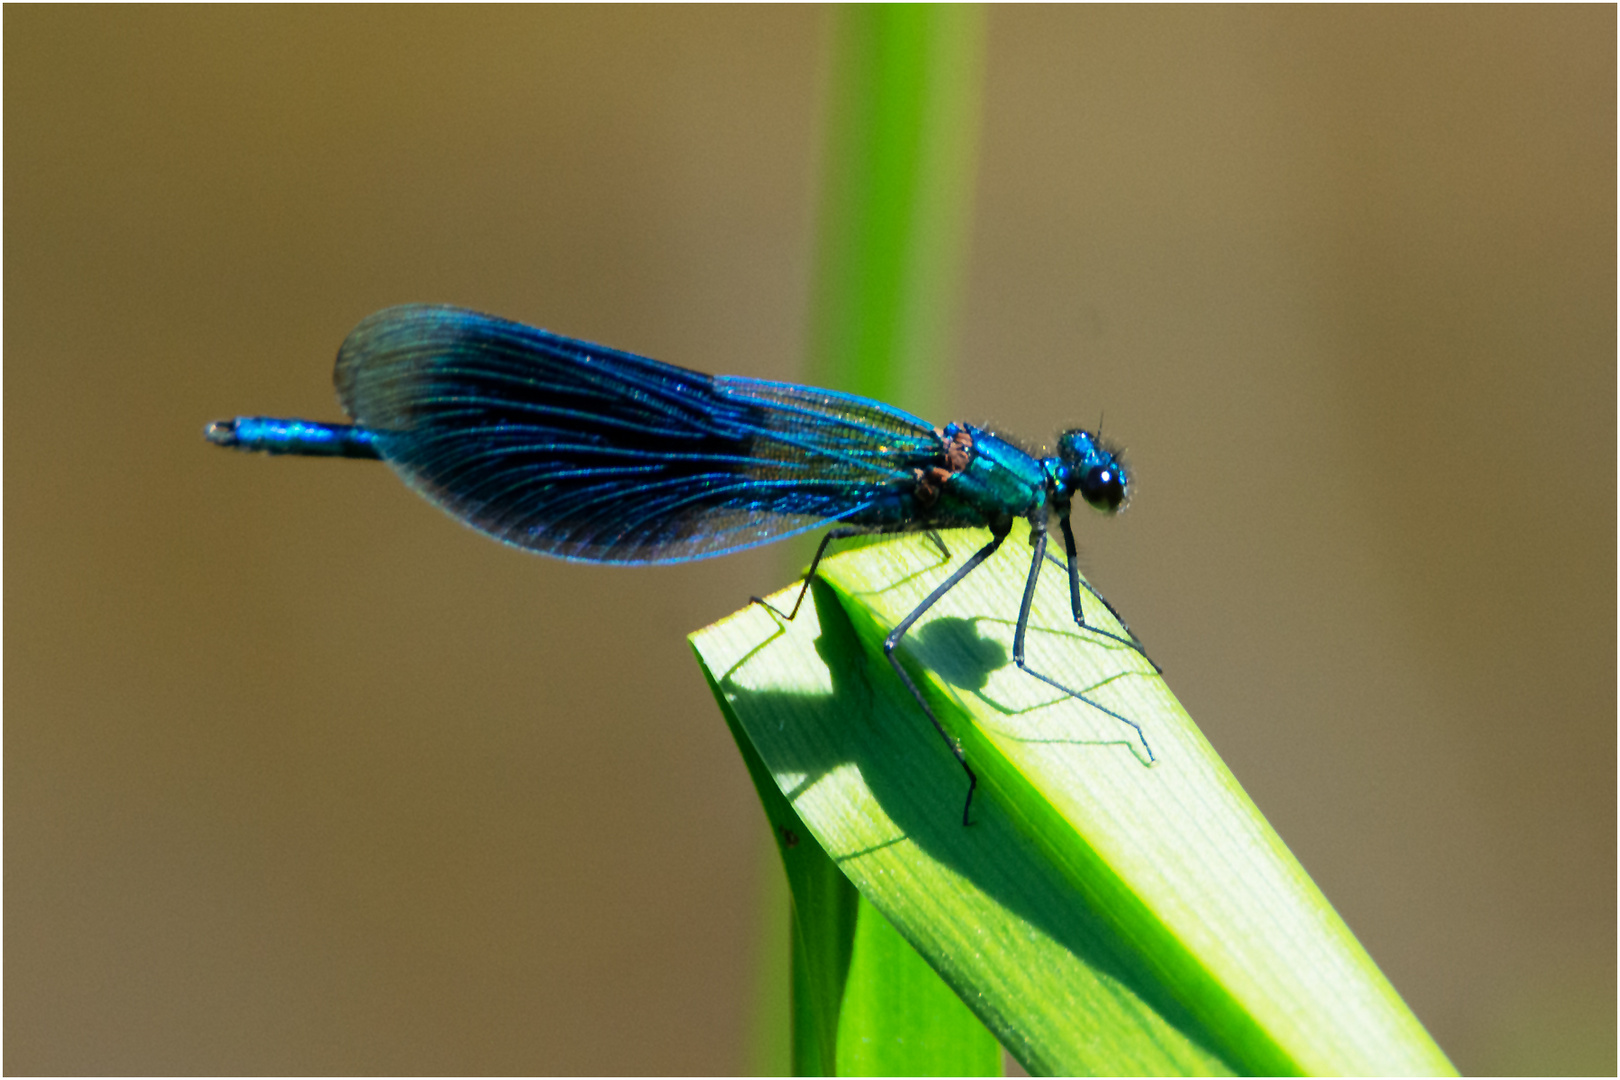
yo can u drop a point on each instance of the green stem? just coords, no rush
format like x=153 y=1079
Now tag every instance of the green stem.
x=896 y=198
x=901 y=128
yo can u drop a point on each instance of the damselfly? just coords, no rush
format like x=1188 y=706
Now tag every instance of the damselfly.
x=582 y=452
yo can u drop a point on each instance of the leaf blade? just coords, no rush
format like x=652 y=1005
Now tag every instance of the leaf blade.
x=1100 y=916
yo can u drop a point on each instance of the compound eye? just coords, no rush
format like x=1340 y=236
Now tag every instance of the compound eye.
x=1102 y=487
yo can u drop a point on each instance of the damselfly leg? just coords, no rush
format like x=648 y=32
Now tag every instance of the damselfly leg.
x=1039 y=538
x=891 y=642
x=810 y=574
x=1076 y=583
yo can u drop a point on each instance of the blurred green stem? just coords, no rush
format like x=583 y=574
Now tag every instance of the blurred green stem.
x=896 y=198
x=900 y=132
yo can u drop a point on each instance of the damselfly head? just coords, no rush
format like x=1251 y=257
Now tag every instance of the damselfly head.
x=1092 y=471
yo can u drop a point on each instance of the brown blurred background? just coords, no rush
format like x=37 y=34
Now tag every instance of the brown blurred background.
x=301 y=776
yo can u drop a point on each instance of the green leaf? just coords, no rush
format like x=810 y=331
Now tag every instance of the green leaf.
x=899 y=1019
x=864 y=1002
x=1102 y=914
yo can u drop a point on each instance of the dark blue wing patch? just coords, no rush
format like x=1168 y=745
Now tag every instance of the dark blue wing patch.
x=582 y=452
